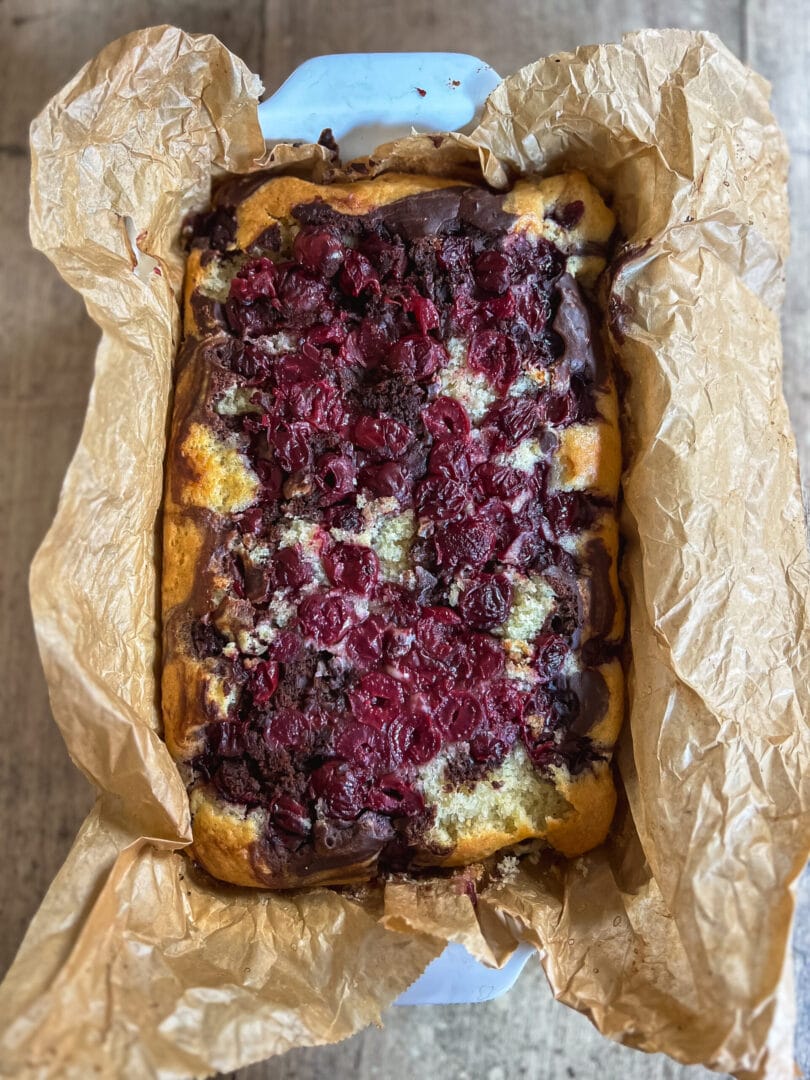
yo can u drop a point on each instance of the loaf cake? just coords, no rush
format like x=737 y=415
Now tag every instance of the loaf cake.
x=390 y=599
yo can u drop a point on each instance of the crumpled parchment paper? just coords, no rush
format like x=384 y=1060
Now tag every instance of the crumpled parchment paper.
x=673 y=936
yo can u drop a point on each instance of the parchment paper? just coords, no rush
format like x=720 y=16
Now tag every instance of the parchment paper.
x=673 y=936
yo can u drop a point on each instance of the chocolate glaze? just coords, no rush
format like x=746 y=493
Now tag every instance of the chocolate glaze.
x=574 y=323
x=430 y=213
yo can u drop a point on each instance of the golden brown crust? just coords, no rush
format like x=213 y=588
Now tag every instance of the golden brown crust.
x=209 y=478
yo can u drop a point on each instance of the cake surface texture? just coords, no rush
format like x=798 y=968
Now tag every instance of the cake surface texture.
x=391 y=611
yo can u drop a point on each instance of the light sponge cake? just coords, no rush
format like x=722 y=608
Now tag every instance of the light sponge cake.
x=391 y=610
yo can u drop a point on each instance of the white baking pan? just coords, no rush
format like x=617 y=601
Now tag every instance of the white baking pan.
x=367 y=99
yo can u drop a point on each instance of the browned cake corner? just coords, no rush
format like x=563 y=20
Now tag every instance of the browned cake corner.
x=391 y=608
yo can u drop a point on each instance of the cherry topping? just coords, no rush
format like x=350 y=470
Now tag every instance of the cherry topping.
x=416 y=357
x=326 y=617
x=318 y=250
x=394 y=796
x=352 y=567
x=377 y=700
x=446 y=418
x=257 y=278
x=335 y=476
x=358 y=275
x=290 y=815
x=550 y=653
x=292 y=569
x=386 y=436
x=364 y=643
x=263 y=681
x=496 y=355
x=486 y=601
x=342 y=789
x=386 y=480
x=465 y=543
x=492 y=272
x=413 y=740
x=291 y=442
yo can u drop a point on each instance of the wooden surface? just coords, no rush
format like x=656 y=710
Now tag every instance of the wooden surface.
x=47 y=349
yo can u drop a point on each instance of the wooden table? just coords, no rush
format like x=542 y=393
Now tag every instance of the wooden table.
x=48 y=344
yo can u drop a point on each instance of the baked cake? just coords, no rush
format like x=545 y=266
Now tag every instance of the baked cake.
x=391 y=610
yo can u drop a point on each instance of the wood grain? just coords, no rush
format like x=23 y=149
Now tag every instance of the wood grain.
x=47 y=348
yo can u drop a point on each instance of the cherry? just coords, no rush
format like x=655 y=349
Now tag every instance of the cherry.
x=491 y=272
x=442 y=498
x=342 y=789
x=292 y=569
x=335 y=476
x=325 y=617
x=386 y=480
x=464 y=716
x=291 y=442
x=318 y=250
x=377 y=699
x=549 y=655
x=446 y=418
x=486 y=601
x=364 y=643
x=424 y=311
x=290 y=815
x=303 y=296
x=352 y=567
x=262 y=681
x=358 y=275
x=500 y=481
x=285 y=647
x=360 y=744
x=413 y=741
x=496 y=355
x=465 y=543
x=416 y=357
x=393 y=795
x=382 y=434
x=259 y=277
x=450 y=460
x=289 y=728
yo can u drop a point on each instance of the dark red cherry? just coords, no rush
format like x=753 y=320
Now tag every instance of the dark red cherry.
x=469 y=542
x=364 y=643
x=446 y=418
x=291 y=442
x=491 y=272
x=358 y=275
x=263 y=680
x=386 y=480
x=292 y=569
x=393 y=795
x=259 y=277
x=326 y=617
x=342 y=788
x=496 y=355
x=416 y=357
x=360 y=744
x=486 y=601
x=413 y=741
x=335 y=476
x=550 y=651
x=290 y=815
x=377 y=699
x=318 y=250
x=352 y=567
x=383 y=434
